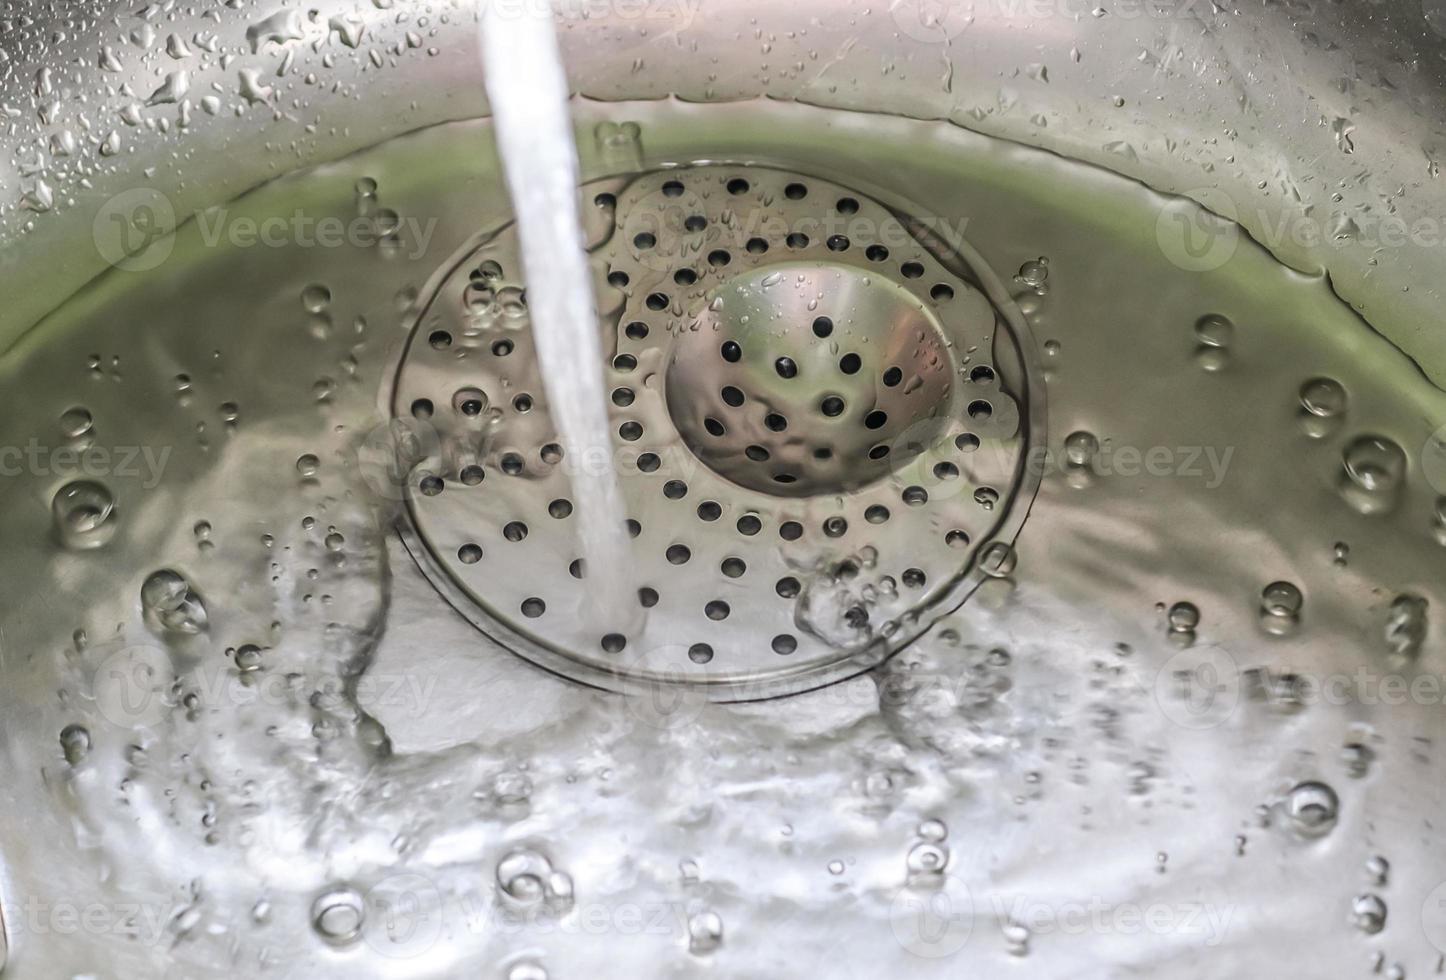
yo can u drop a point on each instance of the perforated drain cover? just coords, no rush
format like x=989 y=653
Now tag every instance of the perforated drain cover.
x=818 y=426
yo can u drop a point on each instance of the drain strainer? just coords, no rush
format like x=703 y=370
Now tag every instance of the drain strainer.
x=818 y=426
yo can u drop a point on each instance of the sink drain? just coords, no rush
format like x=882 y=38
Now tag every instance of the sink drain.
x=818 y=424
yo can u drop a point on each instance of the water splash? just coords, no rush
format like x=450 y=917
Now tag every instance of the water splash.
x=528 y=92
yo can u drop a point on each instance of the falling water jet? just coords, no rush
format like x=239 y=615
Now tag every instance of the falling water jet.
x=529 y=96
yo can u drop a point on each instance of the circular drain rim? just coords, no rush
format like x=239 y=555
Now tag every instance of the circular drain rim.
x=629 y=674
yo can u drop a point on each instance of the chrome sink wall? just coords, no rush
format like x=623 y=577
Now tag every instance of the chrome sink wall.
x=1318 y=125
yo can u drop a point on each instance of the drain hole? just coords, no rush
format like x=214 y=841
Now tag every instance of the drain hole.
x=551 y=453
x=614 y=642
x=625 y=362
x=786 y=367
x=695 y=223
x=440 y=340
x=775 y=422
x=678 y=554
x=732 y=396
x=756 y=453
x=645 y=240
x=431 y=485
x=533 y=607
x=673 y=188
x=605 y=201
x=648 y=462
x=637 y=330
x=502 y=348
x=560 y=508
x=622 y=397
x=822 y=327
x=946 y=471
x=470 y=554
x=470 y=402
x=577 y=568
x=784 y=644
x=749 y=525
x=511 y=464
x=514 y=531
x=877 y=514
x=915 y=496
x=956 y=539
x=876 y=419
x=422 y=408
x=941 y=293
x=734 y=567
x=634 y=528
x=618 y=279
x=914 y=578
x=790 y=530
x=795 y=192
x=523 y=403
x=838 y=243
x=832 y=406
x=797 y=240
x=631 y=431
x=738 y=186
x=701 y=653
x=823 y=452
x=986 y=497
x=911 y=270
x=714 y=427
x=675 y=489
x=982 y=374
x=847 y=205
x=647 y=597
x=784 y=478
x=979 y=410
x=850 y=363
x=657 y=301
x=835 y=527
x=968 y=442
x=876 y=253
x=717 y=610
x=472 y=475
x=731 y=352
x=757 y=246
x=879 y=451
x=787 y=587
x=719 y=258
x=685 y=277
x=892 y=377
x=709 y=510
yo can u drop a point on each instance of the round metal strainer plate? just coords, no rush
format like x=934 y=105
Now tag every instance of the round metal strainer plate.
x=813 y=435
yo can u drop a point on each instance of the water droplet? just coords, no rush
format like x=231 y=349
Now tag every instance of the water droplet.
x=315 y=298
x=1322 y=407
x=338 y=914
x=1373 y=474
x=1369 y=914
x=705 y=932
x=75 y=422
x=1182 y=619
x=1280 y=604
x=75 y=743
x=526 y=878
x=999 y=560
x=170 y=604
x=1406 y=626
x=1312 y=808
x=84 y=514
